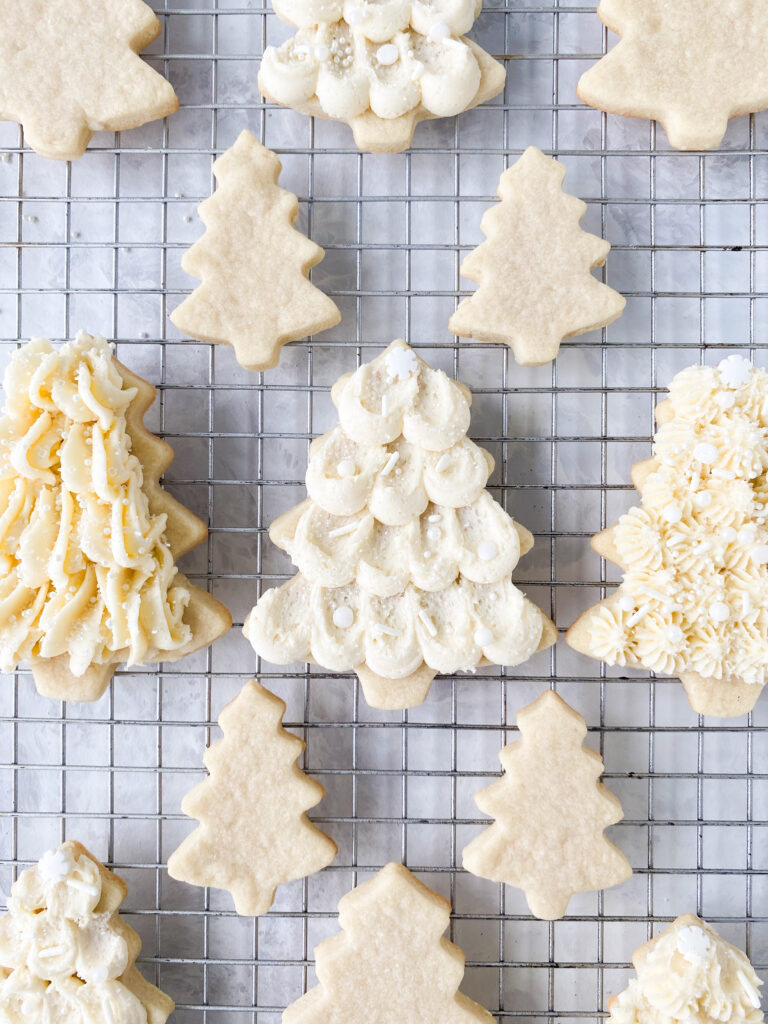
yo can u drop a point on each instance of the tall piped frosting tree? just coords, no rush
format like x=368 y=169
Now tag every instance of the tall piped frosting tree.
x=382 y=67
x=693 y=601
x=404 y=558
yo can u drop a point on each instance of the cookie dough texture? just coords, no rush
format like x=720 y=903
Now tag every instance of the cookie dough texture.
x=693 y=601
x=534 y=268
x=390 y=964
x=69 y=68
x=689 y=65
x=550 y=810
x=689 y=975
x=404 y=558
x=254 y=833
x=254 y=265
x=88 y=538
x=66 y=955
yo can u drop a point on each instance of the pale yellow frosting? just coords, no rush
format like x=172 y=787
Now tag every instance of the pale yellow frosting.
x=691 y=976
x=60 y=958
x=85 y=569
x=694 y=595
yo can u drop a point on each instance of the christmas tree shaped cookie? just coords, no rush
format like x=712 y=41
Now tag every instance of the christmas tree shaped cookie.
x=65 y=952
x=381 y=67
x=689 y=69
x=534 y=269
x=88 y=537
x=254 y=833
x=693 y=601
x=68 y=70
x=689 y=975
x=390 y=963
x=550 y=810
x=404 y=558
x=254 y=265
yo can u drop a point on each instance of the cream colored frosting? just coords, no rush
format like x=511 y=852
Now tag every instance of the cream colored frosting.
x=694 y=595
x=379 y=20
x=403 y=556
x=61 y=955
x=85 y=568
x=690 y=975
x=349 y=74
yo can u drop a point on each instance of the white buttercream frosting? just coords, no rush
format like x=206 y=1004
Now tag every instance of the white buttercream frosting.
x=85 y=568
x=694 y=595
x=62 y=952
x=403 y=556
x=691 y=976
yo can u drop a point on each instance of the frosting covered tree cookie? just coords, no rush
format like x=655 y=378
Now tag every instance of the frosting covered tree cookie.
x=88 y=537
x=254 y=833
x=550 y=810
x=66 y=955
x=534 y=269
x=69 y=68
x=254 y=265
x=690 y=70
x=404 y=558
x=381 y=67
x=390 y=964
x=689 y=975
x=693 y=601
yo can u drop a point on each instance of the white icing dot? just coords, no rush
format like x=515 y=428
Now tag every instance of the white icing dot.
x=483 y=636
x=705 y=453
x=439 y=31
x=321 y=52
x=346 y=468
x=675 y=635
x=343 y=618
x=760 y=554
x=735 y=371
x=673 y=513
x=626 y=603
x=487 y=550
x=443 y=463
x=387 y=54
x=719 y=611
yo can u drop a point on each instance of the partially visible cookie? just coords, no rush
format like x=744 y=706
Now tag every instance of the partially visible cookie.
x=69 y=68
x=65 y=952
x=688 y=65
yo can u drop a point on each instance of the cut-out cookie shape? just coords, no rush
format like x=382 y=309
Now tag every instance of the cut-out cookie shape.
x=381 y=67
x=254 y=833
x=66 y=955
x=534 y=269
x=390 y=964
x=88 y=538
x=69 y=68
x=693 y=601
x=689 y=975
x=550 y=810
x=689 y=69
x=404 y=559
x=254 y=265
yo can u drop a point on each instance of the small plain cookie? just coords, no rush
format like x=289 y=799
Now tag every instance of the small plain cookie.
x=254 y=265
x=534 y=269
x=69 y=68
x=550 y=810
x=689 y=65
x=390 y=963
x=254 y=833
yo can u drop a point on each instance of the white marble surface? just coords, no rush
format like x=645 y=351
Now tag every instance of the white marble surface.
x=98 y=245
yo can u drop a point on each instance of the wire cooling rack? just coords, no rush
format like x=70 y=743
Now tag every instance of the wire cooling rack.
x=97 y=245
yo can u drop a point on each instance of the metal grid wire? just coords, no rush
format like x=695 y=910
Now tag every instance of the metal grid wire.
x=97 y=245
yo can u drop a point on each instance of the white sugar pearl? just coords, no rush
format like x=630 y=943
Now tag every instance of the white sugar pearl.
x=673 y=513
x=703 y=499
x=346 y=468
x=343 y=618
x=387 y=54
x=433 y=533
x=487 y=550
x=728 y=534
x=746 y=535
x=705 y=453
x=439 y=31
x=483 y=636
x=760 y=554
x=675 y=635
x=626 y=603
x=719 y=612
x=725 y=399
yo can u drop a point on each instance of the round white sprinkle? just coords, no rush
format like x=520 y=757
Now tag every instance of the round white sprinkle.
x=483 y=636
x=346 y=468
x=674 y=634
x=438 y=32
x=343 y=618
x=719 y=612
x=703 y=499
x=354 y=16
x=673 y=513
x=626 y=603
x=321 y=52
x=486 y=550
x=725 y=399
x=728 y=534
x=387 y=54
x=746 y=535
x=705 y=453
x=760 y=554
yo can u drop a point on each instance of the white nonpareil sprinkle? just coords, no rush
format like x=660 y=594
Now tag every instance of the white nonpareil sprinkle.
x=735 y=371
x=626 y=603
x=390 y=463
x=427 y=623
x=760 y=554
x=487 y=550
x=752 y=994
x=443 y=463
x=673 y=513
x=675 y=635
x=346 y=468
x=439 y=31
x=343 y=618
x=342 y=531
x=705 y=453
x=719 y=611
x=387 y=54
x=483 y=636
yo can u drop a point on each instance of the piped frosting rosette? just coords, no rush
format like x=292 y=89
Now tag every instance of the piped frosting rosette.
x=694 y=555
x=404 y=558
